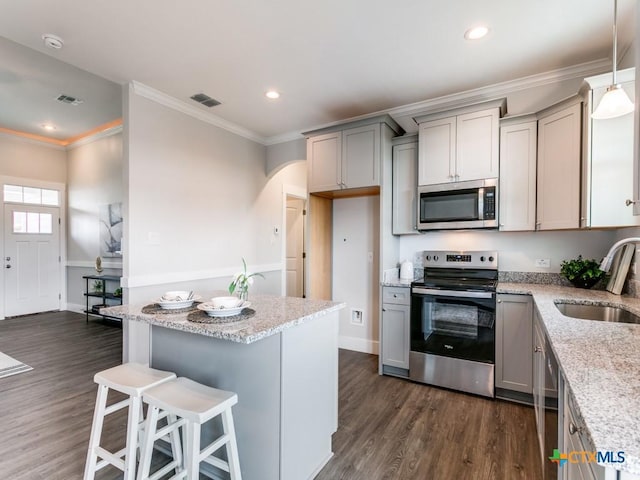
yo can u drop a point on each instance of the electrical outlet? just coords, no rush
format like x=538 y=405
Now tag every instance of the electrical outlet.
x=357 y=316
x=543 y=263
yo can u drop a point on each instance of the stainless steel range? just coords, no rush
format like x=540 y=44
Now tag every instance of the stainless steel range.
x=453 y=312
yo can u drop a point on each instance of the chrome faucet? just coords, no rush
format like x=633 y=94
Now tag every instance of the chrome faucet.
x=605 y=265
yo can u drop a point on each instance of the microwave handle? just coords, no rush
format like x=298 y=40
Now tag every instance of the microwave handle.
x=481 y=203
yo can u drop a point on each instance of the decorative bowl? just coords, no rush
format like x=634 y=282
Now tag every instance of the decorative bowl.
x=177 y=295
x=226 y=302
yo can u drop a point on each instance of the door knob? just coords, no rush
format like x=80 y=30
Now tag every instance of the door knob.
x=8 y=266
x=628 y=202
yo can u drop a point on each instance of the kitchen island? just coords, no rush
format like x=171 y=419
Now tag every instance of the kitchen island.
x=281 y=358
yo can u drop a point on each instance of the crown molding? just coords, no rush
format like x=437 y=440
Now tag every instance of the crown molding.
x=469 y=96
x=96 y=136
x=41 y=143
x=183 y=107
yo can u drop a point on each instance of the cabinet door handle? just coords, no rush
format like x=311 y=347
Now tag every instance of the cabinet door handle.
x=384 y=309
x=628 y=202
x=537 y=349
x=499 y=301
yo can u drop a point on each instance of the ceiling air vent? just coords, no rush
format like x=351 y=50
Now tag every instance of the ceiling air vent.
x=205 y=100
x=69 y=99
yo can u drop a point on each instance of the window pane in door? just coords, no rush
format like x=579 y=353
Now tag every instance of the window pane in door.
x=13 y=193
x=49 y=197
x=32 y=195
x=46 y=223
x=19 y=222
x=33 y=222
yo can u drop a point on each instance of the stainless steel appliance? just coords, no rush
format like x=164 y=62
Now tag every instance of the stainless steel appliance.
x=453 y=312
x=458 y=205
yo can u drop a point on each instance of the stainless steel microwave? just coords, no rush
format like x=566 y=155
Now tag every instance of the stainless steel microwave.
x=458 y=205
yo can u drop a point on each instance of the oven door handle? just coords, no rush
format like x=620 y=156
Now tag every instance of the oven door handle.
x=451 y=293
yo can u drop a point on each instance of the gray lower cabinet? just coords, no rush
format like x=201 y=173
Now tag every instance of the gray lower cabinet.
x=575 y=441
x=514 y=316
x=394 y=338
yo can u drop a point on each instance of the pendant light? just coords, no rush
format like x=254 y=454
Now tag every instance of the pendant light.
x=615 y=101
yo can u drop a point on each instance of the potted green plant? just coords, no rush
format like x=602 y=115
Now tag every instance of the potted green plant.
x=582 y=273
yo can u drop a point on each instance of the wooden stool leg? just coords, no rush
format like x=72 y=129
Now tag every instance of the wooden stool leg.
x=96 y=432
x=232 y=446
x=192 y=459
x=132 y=438
x=146 y=449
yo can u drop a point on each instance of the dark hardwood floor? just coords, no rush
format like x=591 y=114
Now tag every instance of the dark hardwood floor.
x=395 y=429
x=389 y=428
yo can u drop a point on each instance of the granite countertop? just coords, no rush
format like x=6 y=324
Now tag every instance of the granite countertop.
x=272 y=315
x=600 y=362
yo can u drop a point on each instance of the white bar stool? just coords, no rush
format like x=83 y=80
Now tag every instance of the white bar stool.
x=194 y=404
x=132 y=379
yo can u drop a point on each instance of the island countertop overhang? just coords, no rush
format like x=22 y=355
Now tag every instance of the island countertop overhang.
x=273 y=314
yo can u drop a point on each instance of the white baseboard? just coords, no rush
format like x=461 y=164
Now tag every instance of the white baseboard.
x=359 y=344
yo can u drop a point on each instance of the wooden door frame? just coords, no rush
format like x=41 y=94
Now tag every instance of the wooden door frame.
x=301 y=193
x=62 y=188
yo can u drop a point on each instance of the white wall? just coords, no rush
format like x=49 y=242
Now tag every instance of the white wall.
x=356 y=233
x=29 y=159
x=197 y=200
x=94 y=178
x=517 y=250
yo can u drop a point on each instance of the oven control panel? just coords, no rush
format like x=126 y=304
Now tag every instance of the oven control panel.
x=469 y=259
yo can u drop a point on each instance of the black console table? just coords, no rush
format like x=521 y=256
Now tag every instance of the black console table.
x=107 y=295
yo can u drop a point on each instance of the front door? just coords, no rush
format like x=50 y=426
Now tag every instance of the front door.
x=31 y=259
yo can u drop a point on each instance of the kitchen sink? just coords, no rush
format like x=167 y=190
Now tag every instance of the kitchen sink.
x=598 y=312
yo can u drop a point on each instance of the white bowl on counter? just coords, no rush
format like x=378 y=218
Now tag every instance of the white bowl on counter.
x=214 y=311
x=177 y=299
x=226 y=302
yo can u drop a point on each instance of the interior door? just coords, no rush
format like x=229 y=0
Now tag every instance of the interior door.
x=295 y=242
x=31 y=259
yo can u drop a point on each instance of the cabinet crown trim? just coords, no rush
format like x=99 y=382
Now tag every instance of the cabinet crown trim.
x=500 y=103
x=561 y=105
x=518 y=119
x=604 y=80
x=386 y=119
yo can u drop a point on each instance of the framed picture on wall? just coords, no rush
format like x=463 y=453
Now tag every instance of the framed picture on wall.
x=111 y=230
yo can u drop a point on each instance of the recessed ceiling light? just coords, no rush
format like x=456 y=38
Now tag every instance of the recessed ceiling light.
x=476 y=33
x=52 y=41
x=48 y=127
x=272 y=94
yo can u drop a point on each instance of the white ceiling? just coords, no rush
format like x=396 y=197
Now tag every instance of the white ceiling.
x=332 y=60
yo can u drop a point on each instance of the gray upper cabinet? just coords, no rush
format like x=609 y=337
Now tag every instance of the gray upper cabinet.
x=361 y=156
x=405 y=165
x=460 y=145
x=324 y=154
x=607 y=180
x=347 y=156
x=517 y=192
x=559 y=153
